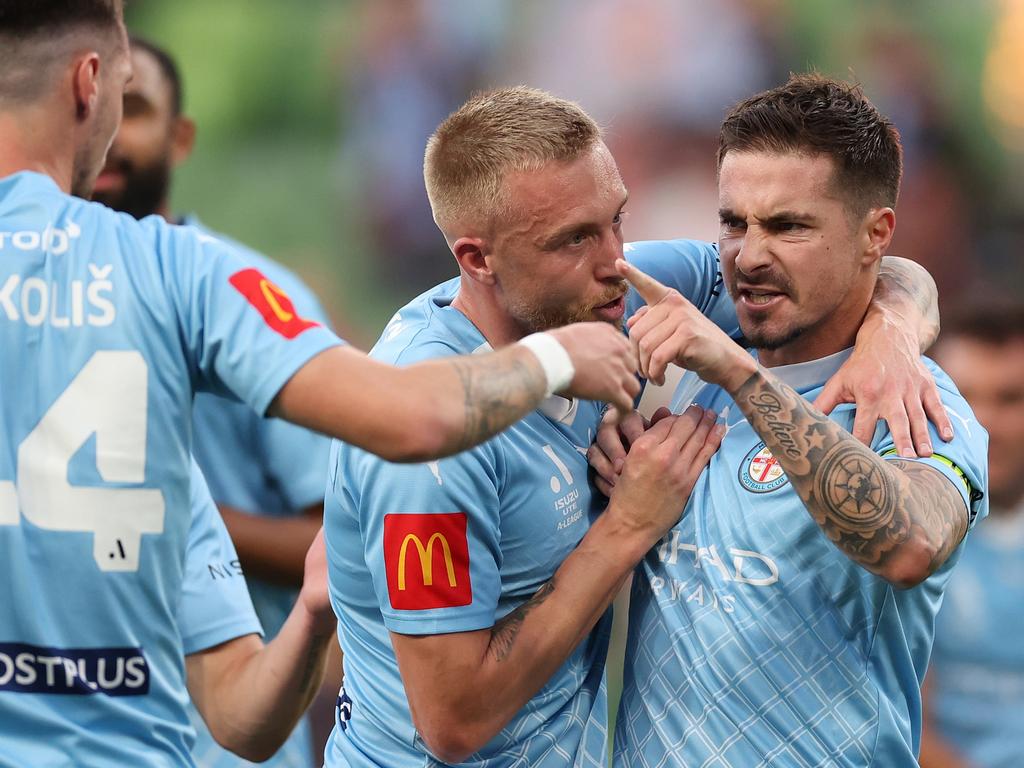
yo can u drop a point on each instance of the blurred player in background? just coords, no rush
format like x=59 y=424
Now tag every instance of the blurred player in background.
x=266 y=476
x=787 y=619
x=109 y=326
x=467 y=589
x=974 y=691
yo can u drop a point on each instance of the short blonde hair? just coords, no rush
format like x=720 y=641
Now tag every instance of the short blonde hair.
x=492 y=134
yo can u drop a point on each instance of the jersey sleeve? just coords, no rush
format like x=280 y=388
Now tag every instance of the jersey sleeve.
x=242 y=333
x=430 y=536
x=297 y=458
x=963 y=460
x=691 y=267
x=215 y=605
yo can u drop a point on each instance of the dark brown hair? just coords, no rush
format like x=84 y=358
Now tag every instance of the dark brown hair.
x=819 y=115
x=22 y=18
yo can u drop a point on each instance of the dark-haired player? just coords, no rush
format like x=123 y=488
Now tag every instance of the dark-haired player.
x=788 y=617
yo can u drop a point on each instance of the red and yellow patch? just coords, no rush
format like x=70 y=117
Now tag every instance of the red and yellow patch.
x=426 y=557
x=272 y=302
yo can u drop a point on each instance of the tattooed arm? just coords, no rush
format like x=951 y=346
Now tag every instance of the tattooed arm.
x=464 y=687
x=252 y=695
x=898 y=519
x=440 y=407
x=885 y=376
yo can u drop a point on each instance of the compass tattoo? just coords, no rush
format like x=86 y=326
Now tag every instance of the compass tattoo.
x=875 y=511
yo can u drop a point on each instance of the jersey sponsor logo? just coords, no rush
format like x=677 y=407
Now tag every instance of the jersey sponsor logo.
x=54 y=240
x=78 y=671
x=760 y=471
x=272 y=302
x=426 y=557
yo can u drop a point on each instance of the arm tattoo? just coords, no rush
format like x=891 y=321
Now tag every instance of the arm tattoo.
x=901 y=282
x=504 y=633
x=497 y=392
x=868 y=507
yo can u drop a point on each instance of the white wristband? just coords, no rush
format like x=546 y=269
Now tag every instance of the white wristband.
x=553 y=358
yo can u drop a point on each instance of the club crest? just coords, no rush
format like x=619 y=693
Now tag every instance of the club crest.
x=760 y=472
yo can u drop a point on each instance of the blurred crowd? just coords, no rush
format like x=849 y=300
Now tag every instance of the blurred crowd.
x=659 y=76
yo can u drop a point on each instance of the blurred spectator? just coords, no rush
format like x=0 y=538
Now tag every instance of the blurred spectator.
x=413 y=62
x=974 y=692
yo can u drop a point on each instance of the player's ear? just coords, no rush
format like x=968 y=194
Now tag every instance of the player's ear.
x=471 y=254
x=879 y=225
x=85 y=83
x=183 y=139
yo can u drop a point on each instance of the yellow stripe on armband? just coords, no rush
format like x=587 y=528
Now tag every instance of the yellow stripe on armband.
x=948 y=462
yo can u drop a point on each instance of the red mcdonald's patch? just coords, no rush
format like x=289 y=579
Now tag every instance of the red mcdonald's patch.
x=427 y=561
x=273 y=303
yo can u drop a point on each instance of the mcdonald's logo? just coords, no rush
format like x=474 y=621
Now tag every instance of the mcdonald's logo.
x=272 y=302
x=426 y=557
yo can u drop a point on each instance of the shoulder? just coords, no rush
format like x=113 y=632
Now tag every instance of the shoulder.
x=283 y=277
x=427 y=328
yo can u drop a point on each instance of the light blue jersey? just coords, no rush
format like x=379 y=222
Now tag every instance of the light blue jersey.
x=976 y=674
x=753 y=640
x=267 y=467
x=455 y=545
x=107 y=327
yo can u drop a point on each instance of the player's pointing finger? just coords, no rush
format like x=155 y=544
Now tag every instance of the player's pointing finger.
x=650 y=290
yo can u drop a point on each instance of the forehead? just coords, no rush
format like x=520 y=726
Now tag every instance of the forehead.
x=560 y=192
x=757 y=183
x=148 y=79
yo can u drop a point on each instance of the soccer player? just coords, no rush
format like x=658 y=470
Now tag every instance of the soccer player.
x=974 y=691
x=787 y=619
x=108 y=326
x=472 y=592
x=266 y=476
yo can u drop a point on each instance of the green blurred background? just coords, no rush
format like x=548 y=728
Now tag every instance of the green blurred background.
x=312 y=116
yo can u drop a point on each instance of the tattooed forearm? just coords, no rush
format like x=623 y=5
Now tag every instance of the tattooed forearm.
x=890 y=517
x=903 y=284
x=504 y=633
x=498 y=390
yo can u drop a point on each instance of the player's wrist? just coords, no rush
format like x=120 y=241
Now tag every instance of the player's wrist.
x=554 y=360
x=622 y=535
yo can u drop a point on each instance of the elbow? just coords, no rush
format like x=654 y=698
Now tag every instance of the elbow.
x=452 y=738
x=914 y=562
x=253 y=750
x=451 y=745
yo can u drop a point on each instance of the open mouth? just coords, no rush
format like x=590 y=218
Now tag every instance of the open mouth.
x=108 y=179
x=613 y=310
x=759 y=300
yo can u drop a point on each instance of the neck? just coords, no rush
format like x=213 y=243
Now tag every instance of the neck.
x=478 y=304
x=33 y=144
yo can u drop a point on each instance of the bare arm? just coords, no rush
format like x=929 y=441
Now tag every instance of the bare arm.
x=885 y=376
x=898 y=519
x=905 y=294
x=440 y=407
x=273 y=548
x=251 y=695
x=452 y=680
